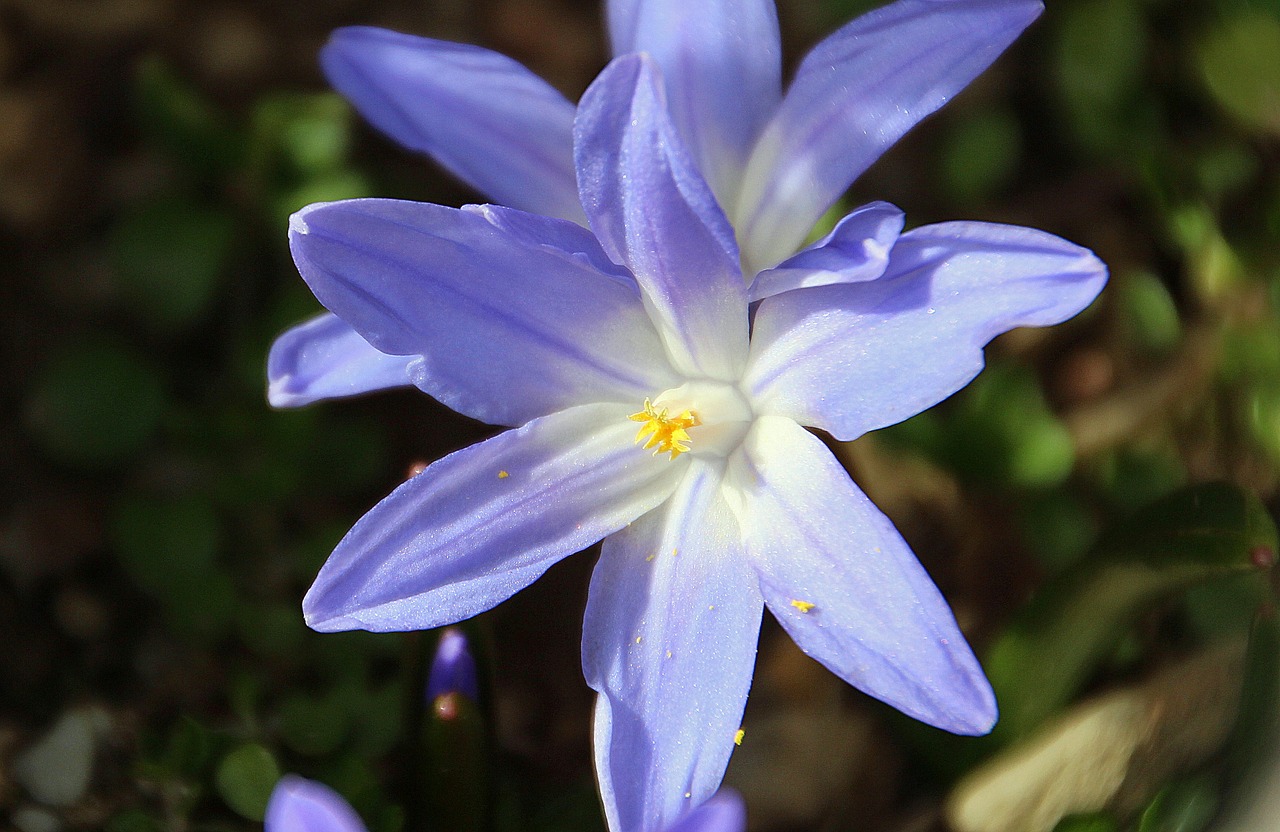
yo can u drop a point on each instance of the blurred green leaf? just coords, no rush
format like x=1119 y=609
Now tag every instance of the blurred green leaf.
x=189 y=749
x=133 y=820
x=1148 y=312
x=1196 y=535
x=1251 y=748
x=982 y=154
x=314 y=725
x=1135 y=476
x=1263 y=417
x=1098 y=58
x=271 y=629
x=96 y=405
x=1093 y=822
x=245 y=778
x=1060 y=528
x=1239 y=66
x=170 y=258
x=1000 y=434
x=168 y=546
x=182 y=121
x=1186 y=806
x=310 y=132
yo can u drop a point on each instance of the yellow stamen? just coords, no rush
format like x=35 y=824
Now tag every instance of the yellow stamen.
x=502 y=475
x=803 y=606
x=668 y=433
x=737 y=738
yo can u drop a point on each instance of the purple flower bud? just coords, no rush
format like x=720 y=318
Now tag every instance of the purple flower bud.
x=453 y=670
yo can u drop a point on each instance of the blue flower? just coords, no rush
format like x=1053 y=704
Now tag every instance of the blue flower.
x=775 y=162
x=652 y=408
x=301 y=805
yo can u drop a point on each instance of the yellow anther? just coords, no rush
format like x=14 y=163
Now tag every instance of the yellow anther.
x=668 y=433
x=502 y=475
x=803 y=606
x=737 y=738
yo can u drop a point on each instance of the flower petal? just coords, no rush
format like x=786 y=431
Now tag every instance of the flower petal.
x=487 y=119
x=859 y=356
x=654 y=213
x=486 y=521
x=669 y=641
x=324 y=358
x=301 y=805
x=845 y=586
x=723 y=64
x=853 y=96
x=510 y=312
x=724 y=812
x=857 y=249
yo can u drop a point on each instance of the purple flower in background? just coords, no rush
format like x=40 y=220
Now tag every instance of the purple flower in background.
x=301 y=805
x=775 y=162
x=453 y=669
x=653 y=409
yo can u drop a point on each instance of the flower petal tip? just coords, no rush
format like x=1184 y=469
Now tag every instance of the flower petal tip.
x=281 y=395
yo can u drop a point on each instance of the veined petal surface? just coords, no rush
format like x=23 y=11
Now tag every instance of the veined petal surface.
x=483 y=523
x=324 y=358
x=855 y=357
x=669 y=641
x=509 y=312
x=722 y=60
x=653 y=213
x=853 y=96
x=484 y=117
x=301 y=805
x=845 y=586
x=857 y=249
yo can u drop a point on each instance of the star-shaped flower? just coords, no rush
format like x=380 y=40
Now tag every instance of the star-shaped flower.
x=775 y=162
x=522 y=320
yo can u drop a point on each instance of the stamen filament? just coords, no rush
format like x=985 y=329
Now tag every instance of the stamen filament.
x=668 y=433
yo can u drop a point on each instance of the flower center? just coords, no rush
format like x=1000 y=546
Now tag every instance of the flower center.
x=668 y=433
x=707 y=418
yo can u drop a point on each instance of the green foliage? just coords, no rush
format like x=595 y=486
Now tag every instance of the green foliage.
x=96 y=405
x=1200 y=534
x=1237 y=61
x=245 y=778
x=171 y=257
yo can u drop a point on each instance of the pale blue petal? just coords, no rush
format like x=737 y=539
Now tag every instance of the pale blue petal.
x=487 y=119
x=854 y=95
x=324 y=358
x=845 y=586
x=723 y=63
x=301 y=805
x=669 y=641
x=724 y=812
x=855 y=357
x=857 y=249
x=510 y=313
x=483 y=523
x=654 y=214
